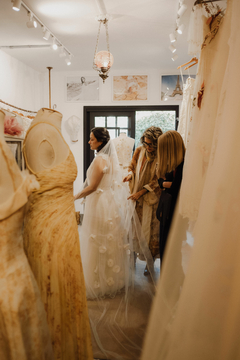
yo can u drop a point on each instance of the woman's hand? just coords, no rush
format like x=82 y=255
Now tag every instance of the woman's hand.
x=78 y=196
x=127 y=178
x=137 y=195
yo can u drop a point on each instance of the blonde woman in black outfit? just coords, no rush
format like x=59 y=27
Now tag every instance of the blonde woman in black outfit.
x=171 y=151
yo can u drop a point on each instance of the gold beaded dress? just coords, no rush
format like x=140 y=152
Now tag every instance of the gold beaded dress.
x=51 y=242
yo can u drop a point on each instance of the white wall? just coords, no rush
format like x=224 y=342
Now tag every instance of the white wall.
x=20 y=85
x=58 y=81
x=28 y=89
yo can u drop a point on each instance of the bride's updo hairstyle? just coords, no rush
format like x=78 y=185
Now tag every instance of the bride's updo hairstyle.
x=102 y=135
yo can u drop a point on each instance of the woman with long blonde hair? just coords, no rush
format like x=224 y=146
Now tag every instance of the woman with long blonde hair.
x=171 y=152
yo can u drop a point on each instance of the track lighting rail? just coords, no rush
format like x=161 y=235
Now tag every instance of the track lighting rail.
x=44 y=27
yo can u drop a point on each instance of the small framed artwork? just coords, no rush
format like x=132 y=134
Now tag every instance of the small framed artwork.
x=130 y=88
x=82 y=88
x=16 y=148
x=172 y=86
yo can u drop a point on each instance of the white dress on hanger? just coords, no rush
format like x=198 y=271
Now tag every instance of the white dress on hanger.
x=104 y=243
x=186 y=109
x=124 y=147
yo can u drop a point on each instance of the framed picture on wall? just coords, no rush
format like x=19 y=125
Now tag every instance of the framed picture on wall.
x=82 y=88
x=130 y=88
x=172 y=86
x=16 y=148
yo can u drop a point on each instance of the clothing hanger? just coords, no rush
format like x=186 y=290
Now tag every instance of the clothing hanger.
x=195 y=59
x=191 y=64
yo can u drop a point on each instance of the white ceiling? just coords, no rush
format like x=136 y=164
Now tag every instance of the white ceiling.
x=138 y=31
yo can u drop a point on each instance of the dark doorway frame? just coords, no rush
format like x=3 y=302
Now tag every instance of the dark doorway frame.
x=90 y=111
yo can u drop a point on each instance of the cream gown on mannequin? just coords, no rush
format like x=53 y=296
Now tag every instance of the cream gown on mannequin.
x=51 y=237
x=24 y=333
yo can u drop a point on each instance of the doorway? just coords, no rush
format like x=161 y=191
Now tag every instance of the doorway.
x=132 y=120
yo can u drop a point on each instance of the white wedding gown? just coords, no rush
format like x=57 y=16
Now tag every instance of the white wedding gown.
x=186 y=109
x=104 y=241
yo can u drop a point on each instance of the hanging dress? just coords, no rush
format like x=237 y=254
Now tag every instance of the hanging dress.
x=51 y=242
x=208 y=85
x=186 y=109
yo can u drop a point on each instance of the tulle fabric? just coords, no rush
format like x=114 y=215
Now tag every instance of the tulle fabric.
x=199 y=318
x=106 y=239
x=24 y=332
x=109 y=224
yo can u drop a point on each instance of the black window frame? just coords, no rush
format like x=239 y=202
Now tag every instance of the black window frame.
x=89 y=112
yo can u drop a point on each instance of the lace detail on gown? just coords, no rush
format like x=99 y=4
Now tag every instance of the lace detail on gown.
x=186 y=109
x=103 y=240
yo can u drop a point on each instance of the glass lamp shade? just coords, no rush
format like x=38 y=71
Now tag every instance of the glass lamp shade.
x=102 y=59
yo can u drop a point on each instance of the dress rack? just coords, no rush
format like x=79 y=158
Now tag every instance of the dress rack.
x=15 y=107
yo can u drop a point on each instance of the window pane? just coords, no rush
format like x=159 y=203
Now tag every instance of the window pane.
x=144 y=119
x=99 y=121
x=112 y=133
x=111 y=121
x=122 y=121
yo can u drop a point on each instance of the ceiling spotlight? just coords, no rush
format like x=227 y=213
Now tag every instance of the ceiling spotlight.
x=62 y=52
x=174 y=57
x=68 y=60
x=172 y=38
x=180 y=29
x=46 y=34
x=54 y=44
x=17 y=5
x=31 y=23
x=172 y=48
x=182 y=10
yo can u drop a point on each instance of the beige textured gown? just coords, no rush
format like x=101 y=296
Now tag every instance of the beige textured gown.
x=24 y=333
x=52 y=246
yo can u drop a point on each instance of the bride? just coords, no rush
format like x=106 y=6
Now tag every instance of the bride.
x=105 y=247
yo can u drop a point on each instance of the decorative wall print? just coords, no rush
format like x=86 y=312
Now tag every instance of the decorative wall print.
x=130 y=87
x=172 y=87
x=82 y=88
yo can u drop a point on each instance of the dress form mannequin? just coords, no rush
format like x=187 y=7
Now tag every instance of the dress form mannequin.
x=124 y=147
x=44 y=146
x=6 y=184
x=51 y=239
